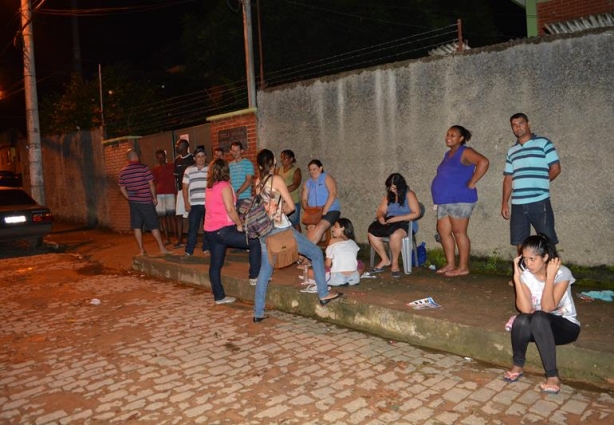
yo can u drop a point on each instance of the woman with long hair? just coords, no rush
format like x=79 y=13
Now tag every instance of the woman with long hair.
x=223 y=229
x=397 y=208
x=274 y=188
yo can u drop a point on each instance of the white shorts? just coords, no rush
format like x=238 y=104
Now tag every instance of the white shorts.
x=180 y=205
x=166 y=205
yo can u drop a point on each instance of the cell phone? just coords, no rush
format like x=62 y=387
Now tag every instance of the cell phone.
x=522 y=265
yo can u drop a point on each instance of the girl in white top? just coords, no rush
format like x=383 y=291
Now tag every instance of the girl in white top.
x=547 y=311
x=341 y=255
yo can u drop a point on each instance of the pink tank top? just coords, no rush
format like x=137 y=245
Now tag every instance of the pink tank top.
x=216 y=216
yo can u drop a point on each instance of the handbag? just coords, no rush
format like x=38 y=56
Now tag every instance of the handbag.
x=254 y=218
x=282 y=249
x=312 y=215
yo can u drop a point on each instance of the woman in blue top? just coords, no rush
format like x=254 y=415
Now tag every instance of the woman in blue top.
x=454 y=193
x=320 y=191
x=398 y=207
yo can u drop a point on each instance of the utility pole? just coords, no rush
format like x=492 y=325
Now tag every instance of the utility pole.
x=249 y=59
x=37 y=183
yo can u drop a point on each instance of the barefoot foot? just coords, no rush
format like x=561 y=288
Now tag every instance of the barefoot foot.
x=456 y=272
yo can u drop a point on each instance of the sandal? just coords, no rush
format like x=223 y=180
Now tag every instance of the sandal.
x=509 y=376
x=549 y=388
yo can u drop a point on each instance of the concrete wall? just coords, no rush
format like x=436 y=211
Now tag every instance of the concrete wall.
x=75 y=179
x=367 y=124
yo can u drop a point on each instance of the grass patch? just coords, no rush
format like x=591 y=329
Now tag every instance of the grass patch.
x=597 y=277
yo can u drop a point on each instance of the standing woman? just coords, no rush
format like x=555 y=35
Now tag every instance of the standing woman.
x=266 y=167
x=547 y=311
x=320 y=191
x=223 y=228
x=454 y=193
x=292 y=177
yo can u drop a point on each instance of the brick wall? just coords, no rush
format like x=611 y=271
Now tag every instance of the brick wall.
x=229 y=121
x=562 y=10
x=114 y=161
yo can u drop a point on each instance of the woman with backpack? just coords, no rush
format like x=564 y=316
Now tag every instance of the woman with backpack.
x=275 y=189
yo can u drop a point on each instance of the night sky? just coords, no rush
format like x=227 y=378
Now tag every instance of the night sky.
x=147 y=39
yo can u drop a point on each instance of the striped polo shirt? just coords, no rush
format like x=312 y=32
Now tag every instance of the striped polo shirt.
x=529 y=164
x=135 y=177
x=238 y=173
x=197 y=183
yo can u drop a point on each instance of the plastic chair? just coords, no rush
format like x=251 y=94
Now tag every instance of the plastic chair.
x=409 y=247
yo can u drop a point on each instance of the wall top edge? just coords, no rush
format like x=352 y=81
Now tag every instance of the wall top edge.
x=232 y=114
x=512 y=43
x=119 y=139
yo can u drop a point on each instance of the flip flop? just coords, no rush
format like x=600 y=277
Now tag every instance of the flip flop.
x=376 y=270
x=549 y=388
x=512 y=376
x=396 y=273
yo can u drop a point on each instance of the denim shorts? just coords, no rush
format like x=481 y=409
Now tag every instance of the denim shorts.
x=537 y=214
x=340 y=279
x=457 y=210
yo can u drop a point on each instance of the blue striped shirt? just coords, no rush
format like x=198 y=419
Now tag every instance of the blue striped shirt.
x=529 y=165
x=238 y=173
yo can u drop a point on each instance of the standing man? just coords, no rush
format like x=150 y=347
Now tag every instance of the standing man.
x=183 y=160
x=136 y=183
x=531 y=164
x=194 y=186
x=164 y=179
x=218 y=153
x=241 y=173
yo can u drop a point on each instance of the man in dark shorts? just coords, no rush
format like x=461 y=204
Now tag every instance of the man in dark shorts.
x=531 y=164
x=136 y=183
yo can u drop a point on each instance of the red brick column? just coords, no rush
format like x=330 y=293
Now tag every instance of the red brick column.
x=114 y=160
x=563 y=10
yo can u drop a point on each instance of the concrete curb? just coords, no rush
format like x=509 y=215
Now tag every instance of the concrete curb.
x=576 y=363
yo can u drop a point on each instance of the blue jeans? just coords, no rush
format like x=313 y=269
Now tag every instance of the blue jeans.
x=537 y=214
x=197 y=213
x=295 y=217
x=218 y=241
x=306 y=248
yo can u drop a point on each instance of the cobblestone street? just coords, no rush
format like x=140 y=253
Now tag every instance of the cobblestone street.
x=161 y=353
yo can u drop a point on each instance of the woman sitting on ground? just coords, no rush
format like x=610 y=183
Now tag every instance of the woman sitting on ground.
x=397 y=208
x=341 y=255
x=320 y=190
x=274 y=187
x=547 y=311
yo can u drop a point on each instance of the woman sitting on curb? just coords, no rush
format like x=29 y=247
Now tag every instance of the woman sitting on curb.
x=547 y=311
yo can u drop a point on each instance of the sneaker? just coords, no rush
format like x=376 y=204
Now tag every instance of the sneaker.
x=253 y=281
x=312 y=289
x=227 y=300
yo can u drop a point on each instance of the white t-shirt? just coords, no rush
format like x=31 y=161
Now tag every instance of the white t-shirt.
x=343 y=255
x=566 y=307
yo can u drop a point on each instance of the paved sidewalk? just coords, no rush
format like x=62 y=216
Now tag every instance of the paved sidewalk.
x=470 y=323
x=155 y=352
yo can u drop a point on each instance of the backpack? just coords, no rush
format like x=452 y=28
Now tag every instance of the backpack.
x=254 y=218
